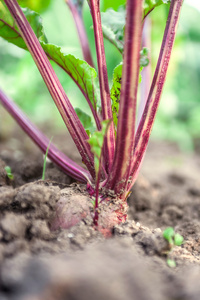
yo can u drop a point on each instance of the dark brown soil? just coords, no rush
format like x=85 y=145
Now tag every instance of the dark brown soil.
x=79 y=263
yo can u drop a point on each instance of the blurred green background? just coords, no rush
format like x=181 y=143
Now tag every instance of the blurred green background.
x=178 y=118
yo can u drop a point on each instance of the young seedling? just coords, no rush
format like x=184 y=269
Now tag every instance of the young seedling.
x=9 y=172
x=114 y=167
x=45 y=160
x=174 y=239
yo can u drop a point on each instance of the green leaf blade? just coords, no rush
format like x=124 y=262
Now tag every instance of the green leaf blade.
x=45 y=160
x=178 y=239
x=80 y=71
x=149 y=5
x=36 y=5
x=86 y=121
x=171 y=263
x=168 y=234
x=116 y=86
x=115 y=92
x=113 y=4
x=9 y=172
x=96 y=142
x=10 y=32
x=113 y=23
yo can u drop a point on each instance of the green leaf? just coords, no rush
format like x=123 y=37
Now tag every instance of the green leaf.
x=96 y=142
x=115 y=92
x=178 y=239
x=144 y=60
x=113 y=23
x=113 y=4
x=9 y=172
x=79 y=70
x=86 y=121
x=168 y=234
x=10 y=32
x=36 y=5
x=171 y=263
x=116 y=86
x=149 y=5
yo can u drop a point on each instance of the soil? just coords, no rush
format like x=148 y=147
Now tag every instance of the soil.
x=38 y=263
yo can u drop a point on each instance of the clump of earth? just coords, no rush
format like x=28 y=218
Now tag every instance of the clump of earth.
x=40 y=262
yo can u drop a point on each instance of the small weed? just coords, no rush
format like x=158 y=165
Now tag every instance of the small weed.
x=174 y=239
x=45 y=160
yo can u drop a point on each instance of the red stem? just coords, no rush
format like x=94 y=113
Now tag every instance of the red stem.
x=81 y=32
x=65 y=163
x=103 y=82
x=96 y=213
x=127 y=110
x=146 y=123
x=55 y=88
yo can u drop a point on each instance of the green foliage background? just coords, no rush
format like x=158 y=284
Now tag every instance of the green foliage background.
x=178 y=118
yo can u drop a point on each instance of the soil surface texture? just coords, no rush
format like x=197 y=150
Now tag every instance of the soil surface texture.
x=79 y=263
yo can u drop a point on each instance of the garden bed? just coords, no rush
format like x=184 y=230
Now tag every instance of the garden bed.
x=79 y=263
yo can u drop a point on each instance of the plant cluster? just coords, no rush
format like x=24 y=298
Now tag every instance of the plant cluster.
x=111 y=145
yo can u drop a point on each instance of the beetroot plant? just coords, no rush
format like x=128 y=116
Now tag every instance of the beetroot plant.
x=113 y=152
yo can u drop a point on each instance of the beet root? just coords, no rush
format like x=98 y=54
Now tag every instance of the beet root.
x=73 y=207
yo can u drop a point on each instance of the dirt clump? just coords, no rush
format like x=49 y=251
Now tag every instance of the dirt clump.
x=39 y=260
